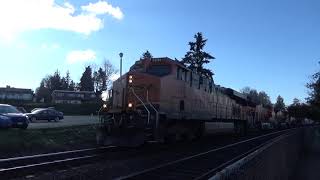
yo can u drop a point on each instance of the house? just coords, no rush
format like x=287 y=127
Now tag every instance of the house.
x=73 y=97
x=15 y=94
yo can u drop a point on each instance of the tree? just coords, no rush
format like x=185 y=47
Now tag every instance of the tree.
x=314 y=95
x=279 y=106
x=246 y=90
x=299 y=110
x=42 y=92
x=72 y=86
x=296 y=102
x=314 y=90
x=86 y=81
x=147 y=55
x=99 y=80
x=54 y=81
x=196 y=57
x=252 y=94
x=102 y=77
x=259 y=98
x=109 y=71
x=264 y=99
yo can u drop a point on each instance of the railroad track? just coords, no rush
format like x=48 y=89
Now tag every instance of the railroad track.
x=206 y=164
x=28 y=165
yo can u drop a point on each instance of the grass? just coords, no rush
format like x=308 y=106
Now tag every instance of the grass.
x=16 y=142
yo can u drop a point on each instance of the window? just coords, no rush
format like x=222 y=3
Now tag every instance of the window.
x=159 y=70
x=200 y=82
x=179 y=73
x=210 y=87
x=182 y=105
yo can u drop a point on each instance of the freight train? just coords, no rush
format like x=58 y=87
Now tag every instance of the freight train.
x=162 y=100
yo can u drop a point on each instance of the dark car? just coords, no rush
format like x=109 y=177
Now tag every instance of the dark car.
x=45 y=114
x=12 y=117
x=22 y=110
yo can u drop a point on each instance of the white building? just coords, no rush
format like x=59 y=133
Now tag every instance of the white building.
x=73 y=97
x=15 y=94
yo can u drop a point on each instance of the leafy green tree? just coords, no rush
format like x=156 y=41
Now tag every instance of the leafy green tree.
x=196 y=57
x=86 y=80
x=147 y=55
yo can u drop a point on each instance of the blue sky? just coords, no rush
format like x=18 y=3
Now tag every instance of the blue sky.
x=270 y=45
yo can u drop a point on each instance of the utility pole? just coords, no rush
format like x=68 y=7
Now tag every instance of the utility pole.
x=121 y=55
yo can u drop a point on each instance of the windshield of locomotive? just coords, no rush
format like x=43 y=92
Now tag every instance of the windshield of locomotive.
x=159 y=70
x=159 y=89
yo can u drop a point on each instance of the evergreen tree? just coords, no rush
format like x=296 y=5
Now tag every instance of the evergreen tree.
x=55 y=82
x=72 y=86
x=147 y=55
x=42 y=92
x=279 y=106
x=196 y=57
x=86 y=81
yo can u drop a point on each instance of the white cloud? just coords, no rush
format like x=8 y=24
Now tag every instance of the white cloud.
x=103 y=7
x=50 y=46
x=80 y=56
x=20 y=15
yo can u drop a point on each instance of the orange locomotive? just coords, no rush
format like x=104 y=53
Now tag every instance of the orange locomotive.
x=160 y=99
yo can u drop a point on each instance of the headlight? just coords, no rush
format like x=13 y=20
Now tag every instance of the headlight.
x=4 y=117
x=130 y=105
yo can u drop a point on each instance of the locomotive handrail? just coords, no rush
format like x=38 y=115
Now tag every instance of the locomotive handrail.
x=142 y=103
x=157 y=113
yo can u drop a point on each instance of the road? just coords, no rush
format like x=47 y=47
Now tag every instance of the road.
x=67 y=121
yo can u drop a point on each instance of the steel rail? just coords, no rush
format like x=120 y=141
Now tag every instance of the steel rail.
x=161 y=171
x=24 y=165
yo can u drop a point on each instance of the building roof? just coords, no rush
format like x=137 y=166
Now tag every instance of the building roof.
x=77 y=92
x=15 y=90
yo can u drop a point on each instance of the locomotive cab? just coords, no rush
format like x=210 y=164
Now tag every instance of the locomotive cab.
x=133 y=115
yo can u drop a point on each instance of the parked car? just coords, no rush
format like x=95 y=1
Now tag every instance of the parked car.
x=5 y=122
x=41 y=108
x=21 y=109
x=45 y=114
x=266 y=126
x=12 y=117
